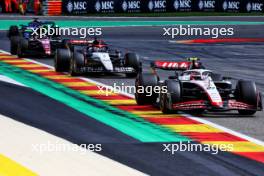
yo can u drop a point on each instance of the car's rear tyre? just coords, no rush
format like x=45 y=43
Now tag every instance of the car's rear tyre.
x=22 y=47
x=62 y=60
x=132 y=60
x=144 y=81
x=13 y=31
x=246 y=92
x=64 y=44
x=14 y=44
x=173 y=88
x=76 y=63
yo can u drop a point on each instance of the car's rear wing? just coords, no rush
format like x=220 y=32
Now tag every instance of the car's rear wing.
x=79 y=42
x=171 y=65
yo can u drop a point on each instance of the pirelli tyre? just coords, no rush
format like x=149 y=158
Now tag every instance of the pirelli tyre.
x=132 y=60
x=14 y=44
x=77 y=61
x=13 y=31
x=173 y=95
x=22 y=47
x=62 y=60
x=144 y=83
x=246 y=92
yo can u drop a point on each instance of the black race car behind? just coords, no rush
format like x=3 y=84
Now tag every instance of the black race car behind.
x=24 y=42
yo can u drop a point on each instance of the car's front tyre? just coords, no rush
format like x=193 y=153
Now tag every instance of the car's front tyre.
x=143 y=83
x=171 y=96
x=62 y=60
x=13 y=31
x=14 y=44
x=76 y=63
x=246 y=92
x=132 y=60
x=22 y=47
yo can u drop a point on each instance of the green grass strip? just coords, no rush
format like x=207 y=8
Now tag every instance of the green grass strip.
x=4 y=24
x=123 y=121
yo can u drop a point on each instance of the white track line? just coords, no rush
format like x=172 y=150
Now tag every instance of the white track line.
x=251 y=139
x=22 y=143
x=9 y=80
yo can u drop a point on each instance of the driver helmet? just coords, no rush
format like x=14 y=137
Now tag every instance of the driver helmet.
x=98 y=45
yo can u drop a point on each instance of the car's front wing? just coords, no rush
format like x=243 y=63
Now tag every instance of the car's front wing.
x=206 y=105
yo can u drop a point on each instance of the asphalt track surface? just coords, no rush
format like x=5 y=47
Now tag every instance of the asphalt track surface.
x=239 y=60
x=62 y=121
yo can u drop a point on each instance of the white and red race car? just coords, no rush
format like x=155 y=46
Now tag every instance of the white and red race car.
x=196 y=89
